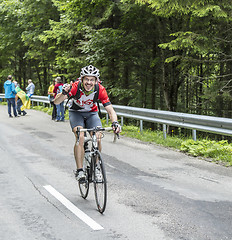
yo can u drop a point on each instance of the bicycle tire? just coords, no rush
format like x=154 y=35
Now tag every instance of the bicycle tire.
x=84 y=186
x=100 y=184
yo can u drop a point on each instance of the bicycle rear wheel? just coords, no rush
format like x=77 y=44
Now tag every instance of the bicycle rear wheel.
x=84 y=185
x=100 y=184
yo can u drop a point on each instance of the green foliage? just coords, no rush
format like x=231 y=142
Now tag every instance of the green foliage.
x=214 y=10
x=101 y=44
x=188 y=40
x=49 y=111
x=38 y=108
x=200 y=8
x=120 y=93
x=3 y=103
x=148 y=135
x=164 y=54
x=220 y=151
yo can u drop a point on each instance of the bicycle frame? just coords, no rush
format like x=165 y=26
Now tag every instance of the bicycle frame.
x=93 y=151
x=94 y=169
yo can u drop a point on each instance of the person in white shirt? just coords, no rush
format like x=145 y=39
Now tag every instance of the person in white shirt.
x=30 y=88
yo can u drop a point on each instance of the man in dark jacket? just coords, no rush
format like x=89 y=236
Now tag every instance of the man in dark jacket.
x=10 y=95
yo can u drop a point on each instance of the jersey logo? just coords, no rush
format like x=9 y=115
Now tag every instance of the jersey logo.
x=85 y=102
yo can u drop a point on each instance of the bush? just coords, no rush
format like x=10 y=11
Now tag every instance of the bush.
x=219 y=151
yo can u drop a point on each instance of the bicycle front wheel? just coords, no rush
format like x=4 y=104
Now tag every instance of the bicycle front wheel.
x=100 y=185
x=84 y=185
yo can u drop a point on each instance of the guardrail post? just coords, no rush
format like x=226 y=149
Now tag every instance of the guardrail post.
x=121 y=121
x=107 y=118
x=141 y=126
x=164 y=131
x=194 y=131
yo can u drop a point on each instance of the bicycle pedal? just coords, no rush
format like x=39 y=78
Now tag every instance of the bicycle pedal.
x=82 y=180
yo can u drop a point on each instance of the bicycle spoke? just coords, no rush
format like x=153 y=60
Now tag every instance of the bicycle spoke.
x=100 y=186
x=84 y=186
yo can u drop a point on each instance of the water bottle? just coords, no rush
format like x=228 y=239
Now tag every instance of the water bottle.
x=87 y=161
x=87 y=157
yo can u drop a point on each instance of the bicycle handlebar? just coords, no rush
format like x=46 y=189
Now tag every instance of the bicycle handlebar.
x=96 y=129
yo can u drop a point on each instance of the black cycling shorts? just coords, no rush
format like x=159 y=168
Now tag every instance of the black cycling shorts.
x=84 y=119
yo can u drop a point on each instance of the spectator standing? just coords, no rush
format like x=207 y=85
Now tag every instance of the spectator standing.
x=51 y=98
x=60 y=106
x=10 y=92
x=30 y=88
x=15 y=83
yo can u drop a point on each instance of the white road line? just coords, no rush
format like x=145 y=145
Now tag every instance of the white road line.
x=111 y=166
x=84 y=217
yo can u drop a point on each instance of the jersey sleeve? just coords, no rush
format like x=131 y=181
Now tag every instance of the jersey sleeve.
x=103 y=96
x=74 y=89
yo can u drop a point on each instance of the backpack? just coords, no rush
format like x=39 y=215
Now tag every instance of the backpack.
x=95 y=98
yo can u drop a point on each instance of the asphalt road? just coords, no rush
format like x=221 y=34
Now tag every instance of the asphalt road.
x=153 y=192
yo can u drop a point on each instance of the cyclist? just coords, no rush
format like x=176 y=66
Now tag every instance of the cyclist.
x=83 y=109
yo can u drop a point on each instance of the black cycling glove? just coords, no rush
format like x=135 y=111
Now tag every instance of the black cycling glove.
x=116 y=125
x=63 y=89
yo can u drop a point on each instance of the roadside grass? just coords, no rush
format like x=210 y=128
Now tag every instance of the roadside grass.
x=152 y=136
x=216 y=151
x=48 y=110
x=219 y=151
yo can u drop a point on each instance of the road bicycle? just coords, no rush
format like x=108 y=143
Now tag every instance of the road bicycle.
x=93 y=167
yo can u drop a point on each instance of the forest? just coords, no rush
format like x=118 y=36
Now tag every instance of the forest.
x=173 y=55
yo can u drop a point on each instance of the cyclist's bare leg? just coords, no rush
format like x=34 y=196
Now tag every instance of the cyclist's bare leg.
x=79 y=148
x=99 y=142
x=99 y=134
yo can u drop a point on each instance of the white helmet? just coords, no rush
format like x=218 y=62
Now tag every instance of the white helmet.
x=90 y=71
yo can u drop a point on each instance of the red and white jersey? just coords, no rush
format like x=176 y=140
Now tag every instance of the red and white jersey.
x=85 y=103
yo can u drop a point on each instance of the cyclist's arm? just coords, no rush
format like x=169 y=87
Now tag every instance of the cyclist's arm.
x=103 y=97
x=112 y=113
x=113 y=117
x=60 y=98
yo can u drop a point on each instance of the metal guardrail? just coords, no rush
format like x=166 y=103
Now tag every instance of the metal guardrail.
x=39 y=99
x=195 y=122
x=34 y=98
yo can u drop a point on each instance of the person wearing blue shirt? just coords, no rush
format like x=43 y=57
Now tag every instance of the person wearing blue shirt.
x=10 y=93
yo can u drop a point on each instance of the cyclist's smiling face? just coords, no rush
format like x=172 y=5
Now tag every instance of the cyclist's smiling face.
x=89 y=83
